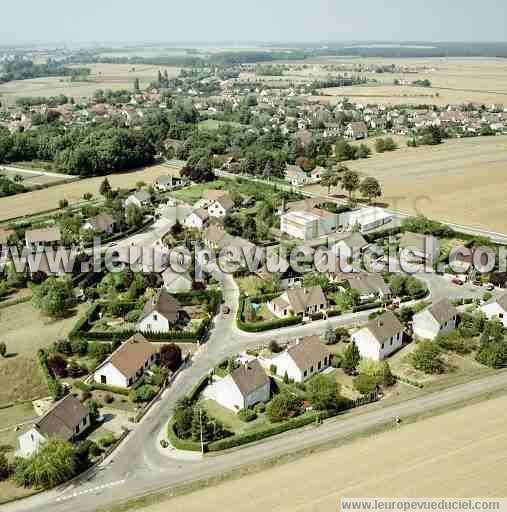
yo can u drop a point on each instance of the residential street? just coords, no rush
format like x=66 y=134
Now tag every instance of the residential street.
x=138 y=467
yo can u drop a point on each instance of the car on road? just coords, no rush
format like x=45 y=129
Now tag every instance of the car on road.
x=489 y=286
x=457 y=282
x=226 y=310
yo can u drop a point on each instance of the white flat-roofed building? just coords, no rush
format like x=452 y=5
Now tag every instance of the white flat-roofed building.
x=365 y=218
x=307 y=225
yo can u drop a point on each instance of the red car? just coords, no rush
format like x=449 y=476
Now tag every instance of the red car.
x=457 y=282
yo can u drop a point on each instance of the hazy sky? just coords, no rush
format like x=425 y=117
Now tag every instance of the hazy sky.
x=259 y=20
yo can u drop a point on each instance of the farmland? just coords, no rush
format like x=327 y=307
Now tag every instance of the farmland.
x=456 y=80
x=434 y=457
x=103 y=76
x=47 y=199
x=447 y=182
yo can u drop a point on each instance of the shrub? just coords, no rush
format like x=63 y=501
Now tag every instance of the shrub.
x=273 y=369
x=108 y=399
x=365 y=384
x=3 y=349
x=247 y=415
x=260 y=408
x=170 y=356
x=274 y=347
x=336 y=360
x=133 y=316
x=323 y=392
x=58 y=365
x=164 y=443
x=283 y=407
x=107 y=440
x=427 y=358
x=142 y=394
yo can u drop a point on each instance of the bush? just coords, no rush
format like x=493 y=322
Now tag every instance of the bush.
x=164 y=443
x=170 y=356
x=283 y=407
x=247 y=415
x=365 y=384
x=108 y=399
x=3 y=349
x=274 y=347
x=323 y=392
x=58 y=365
x=336 y=360
x=133 y=316
x=107 y=440
x=142 y=394
x=427 y=358
x=260 y=408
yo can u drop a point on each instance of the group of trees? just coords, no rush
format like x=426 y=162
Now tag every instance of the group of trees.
x=23 y=69
x=10 y=187
x=387 y=144
x=54 y=297
x=350 y=181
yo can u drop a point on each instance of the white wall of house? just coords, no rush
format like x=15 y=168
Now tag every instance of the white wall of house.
x=425 y=326
x=369 y=346
x=111 y=376
x=154 y=322
x=227 y=394
x=285 y=363
x=494 y=310
x=133 y=200
x=30 y=441
x=193 y=221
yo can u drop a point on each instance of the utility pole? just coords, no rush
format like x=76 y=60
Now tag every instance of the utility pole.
x=200 y=423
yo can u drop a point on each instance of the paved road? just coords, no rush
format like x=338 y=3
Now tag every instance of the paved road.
x=399 y=215
x=138 y=466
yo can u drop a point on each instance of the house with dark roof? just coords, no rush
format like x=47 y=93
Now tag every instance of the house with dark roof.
x=440 y=318
x=160 y=313
x=168 y=183
x=301 y=360
x=357 y=130
x=242 y=388
x=141 y=198
x=369 y=286
x=299 y=301
x=127 y=363
x=380 y=337
x=67 y=420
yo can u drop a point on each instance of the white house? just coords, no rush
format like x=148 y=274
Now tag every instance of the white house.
x=242 y=388
x=289 y=277
x=370 y=286
x=496 y=309
x=168 y=183
x=356 y=130
x=296 y=176
x=175 y=282
x=66 y=420
x=299 y=301
x=160 y=313
x=197 y=219
x=307 y=225
x=102 y=223
x=221 y=207
x=380 y=337
x=365 y=219
x=420 y=248
x=305 y=358
x=141 y=198
x=127 y=363
x=439 y=318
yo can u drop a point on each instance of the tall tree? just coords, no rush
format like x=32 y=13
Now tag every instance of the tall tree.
x=105 y=188
x=370 y=188
x=351 y=358
x=350 y=182
x=330 y=179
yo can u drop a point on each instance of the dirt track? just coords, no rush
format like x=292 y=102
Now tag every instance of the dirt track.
x=460 y=454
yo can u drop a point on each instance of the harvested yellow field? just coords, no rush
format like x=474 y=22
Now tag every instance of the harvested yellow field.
x=460 y=454
x=456 y=80
x=103 y=76
x=463 y=181
x=47 y=199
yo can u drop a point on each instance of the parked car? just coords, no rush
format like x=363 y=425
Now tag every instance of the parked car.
x=226 y=310
x=489 y=286
x=477 y=283
x=457 y=282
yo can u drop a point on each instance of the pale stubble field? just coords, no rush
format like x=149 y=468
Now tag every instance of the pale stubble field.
x=460 y=454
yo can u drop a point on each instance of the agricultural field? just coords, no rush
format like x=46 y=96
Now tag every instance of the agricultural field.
x=103 y=76
x=24 y=331
x=433 y=457
x=455 y=80
x=41 y=200
x=461 y=181
x=31 y=178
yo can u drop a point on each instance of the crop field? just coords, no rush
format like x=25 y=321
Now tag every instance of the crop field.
x=461 y=181
x=434 y=457
x=454 y=81
x=103 y=76
x=47 y=199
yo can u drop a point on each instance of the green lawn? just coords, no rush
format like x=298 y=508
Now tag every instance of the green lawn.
x=213 y=124
x=231 y=421
x=193 y=193
x=251 y=285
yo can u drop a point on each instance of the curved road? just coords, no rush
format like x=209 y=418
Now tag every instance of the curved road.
x=139 y=467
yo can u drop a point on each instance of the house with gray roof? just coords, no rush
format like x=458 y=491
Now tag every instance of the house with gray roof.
x=67 y=420
x=160 y=313
x=299 y=301
x=439 y=318
x=380 y=337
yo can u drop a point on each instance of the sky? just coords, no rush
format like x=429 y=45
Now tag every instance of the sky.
x=252 y=20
